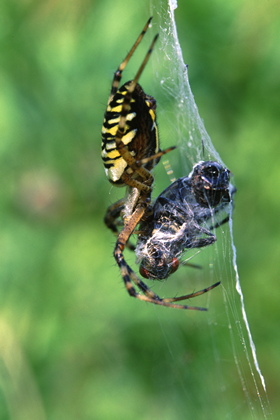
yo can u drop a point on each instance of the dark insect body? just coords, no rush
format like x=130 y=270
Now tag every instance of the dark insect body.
x=180 y=218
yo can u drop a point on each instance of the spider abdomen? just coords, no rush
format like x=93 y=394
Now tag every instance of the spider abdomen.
x=140 y=133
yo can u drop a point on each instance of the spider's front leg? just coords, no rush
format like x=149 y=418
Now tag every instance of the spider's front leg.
x=128 y=275
x=119 y=213
x=113 y=215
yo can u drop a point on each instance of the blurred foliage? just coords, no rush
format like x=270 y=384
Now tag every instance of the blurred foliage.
x=72 y=343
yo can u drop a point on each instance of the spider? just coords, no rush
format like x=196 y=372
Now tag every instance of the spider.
x=180 y=219
x=130 y=150
x=130 y=142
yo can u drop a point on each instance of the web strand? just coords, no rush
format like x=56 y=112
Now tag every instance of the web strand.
x=194 y=145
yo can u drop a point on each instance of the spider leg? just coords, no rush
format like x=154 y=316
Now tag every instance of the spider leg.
x=126 y=271
x=156 y=155
x=112 y=215
x=155 y=299
x=118 y=73
x=137 y=167
x=113 y=219
x=192 y=295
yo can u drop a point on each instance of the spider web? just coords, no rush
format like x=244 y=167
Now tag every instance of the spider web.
x=180 y=120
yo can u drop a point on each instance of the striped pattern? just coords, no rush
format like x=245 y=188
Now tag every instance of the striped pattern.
x=140 y=133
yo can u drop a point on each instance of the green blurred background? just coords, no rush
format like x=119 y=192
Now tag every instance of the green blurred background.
x=72 y=343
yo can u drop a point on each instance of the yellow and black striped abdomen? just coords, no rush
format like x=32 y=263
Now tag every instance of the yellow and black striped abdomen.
x=140 y=133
